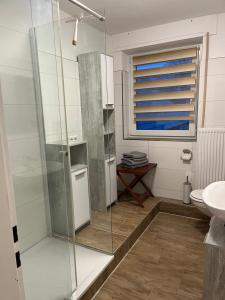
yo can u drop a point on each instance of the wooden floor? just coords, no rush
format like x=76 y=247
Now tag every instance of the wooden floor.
x=166 y=263
x=108 y=230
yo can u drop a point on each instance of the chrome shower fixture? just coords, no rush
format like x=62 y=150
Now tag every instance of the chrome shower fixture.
x=91 y=11
x=75 y=34
x=78 y=19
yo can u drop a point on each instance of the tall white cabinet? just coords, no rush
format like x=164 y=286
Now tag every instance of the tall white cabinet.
x=97 y=105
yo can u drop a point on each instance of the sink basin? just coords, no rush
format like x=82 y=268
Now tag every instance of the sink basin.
x=214 y=199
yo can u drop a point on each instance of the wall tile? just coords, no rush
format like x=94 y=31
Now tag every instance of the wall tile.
x=171 y=194
x=16 y=15
x=32 y=219
x=215 y=88
x=17 y=86
x=15 y=49
x=169 y=179
x=38 y=233
x=21 y=121
x=48 y=39
x=221 y=24
x=216 y=46
x=74 y=122
x=52 y=119
x=27 y=188
x=72 y=91
x=50 y=89
x=216 y=66
x=215 y=114
x=70 y=68
x=168 y=158
x=24 y=154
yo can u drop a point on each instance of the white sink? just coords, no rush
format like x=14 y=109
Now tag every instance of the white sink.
x=214 y=199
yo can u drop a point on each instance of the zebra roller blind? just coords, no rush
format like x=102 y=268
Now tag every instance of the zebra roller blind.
x=165 y=86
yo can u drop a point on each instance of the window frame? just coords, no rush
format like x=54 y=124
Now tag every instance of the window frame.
x=133 y=133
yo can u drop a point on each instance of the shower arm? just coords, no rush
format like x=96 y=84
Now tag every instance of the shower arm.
x=84 y=7
x=75 y=35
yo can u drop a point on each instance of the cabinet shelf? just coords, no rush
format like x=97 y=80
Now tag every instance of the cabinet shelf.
x=78 y=154
x=109 y=133
x=77 y=143
x=78 y=167
x=108 y=108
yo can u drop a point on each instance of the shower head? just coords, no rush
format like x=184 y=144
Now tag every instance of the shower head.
x=75 y=33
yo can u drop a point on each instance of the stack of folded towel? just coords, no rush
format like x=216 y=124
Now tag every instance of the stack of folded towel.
x=134 y=159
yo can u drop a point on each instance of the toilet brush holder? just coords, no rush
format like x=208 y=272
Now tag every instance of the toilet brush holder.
x=186 y=192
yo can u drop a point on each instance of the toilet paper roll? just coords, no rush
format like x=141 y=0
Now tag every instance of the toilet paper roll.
x=186 y=156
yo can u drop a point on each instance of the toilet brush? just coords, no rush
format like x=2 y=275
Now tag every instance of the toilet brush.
x=186 y=191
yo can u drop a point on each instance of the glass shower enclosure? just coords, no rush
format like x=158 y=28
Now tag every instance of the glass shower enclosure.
x=59 y=123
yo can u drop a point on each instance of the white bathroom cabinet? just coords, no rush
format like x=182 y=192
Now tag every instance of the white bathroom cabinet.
x=107 y=81
x=80 y=197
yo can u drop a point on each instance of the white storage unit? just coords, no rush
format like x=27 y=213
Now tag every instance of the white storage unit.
x=80 y=197
x=107 y=81
x=110 y=180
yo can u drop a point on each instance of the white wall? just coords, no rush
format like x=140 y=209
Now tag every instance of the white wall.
x=17 y=89
x=171 y=171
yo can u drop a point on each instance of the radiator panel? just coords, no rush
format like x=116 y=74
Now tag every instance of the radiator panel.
x=210 y=156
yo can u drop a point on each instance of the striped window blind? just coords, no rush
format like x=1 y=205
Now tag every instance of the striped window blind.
x=165 y=85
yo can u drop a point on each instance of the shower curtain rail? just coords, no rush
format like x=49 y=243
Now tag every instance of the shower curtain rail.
x=91 y=11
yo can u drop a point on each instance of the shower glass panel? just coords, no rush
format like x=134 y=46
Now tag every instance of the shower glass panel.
x=90 y=121
x=37 y=140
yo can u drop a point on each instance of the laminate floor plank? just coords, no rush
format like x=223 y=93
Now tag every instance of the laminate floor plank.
x=166 y=263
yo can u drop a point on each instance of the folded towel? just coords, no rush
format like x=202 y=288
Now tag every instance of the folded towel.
x=131 y=164
x=136 y=166
x=135 y=159
x=135 y=154
x=134 y=163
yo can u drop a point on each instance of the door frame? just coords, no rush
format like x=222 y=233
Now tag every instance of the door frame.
x=11 y=281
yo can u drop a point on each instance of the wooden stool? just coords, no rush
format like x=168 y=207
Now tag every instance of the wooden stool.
x=138 y=173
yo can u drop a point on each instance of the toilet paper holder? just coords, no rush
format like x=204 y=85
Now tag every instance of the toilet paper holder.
x=186 y=155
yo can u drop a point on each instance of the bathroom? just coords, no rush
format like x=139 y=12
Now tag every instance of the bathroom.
x=85 y=87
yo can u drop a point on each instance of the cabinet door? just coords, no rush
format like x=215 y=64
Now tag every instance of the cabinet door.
x=113 y=179
x=80 y=197
x=107 y=81
x=110 y=179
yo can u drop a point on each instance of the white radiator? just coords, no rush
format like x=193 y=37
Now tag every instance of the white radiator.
x=210 y=156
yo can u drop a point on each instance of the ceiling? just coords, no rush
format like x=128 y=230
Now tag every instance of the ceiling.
x=127 y=15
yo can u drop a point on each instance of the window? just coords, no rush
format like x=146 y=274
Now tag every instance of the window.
x=165 y=93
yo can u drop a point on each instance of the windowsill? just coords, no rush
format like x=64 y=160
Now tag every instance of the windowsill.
x=162 y=138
